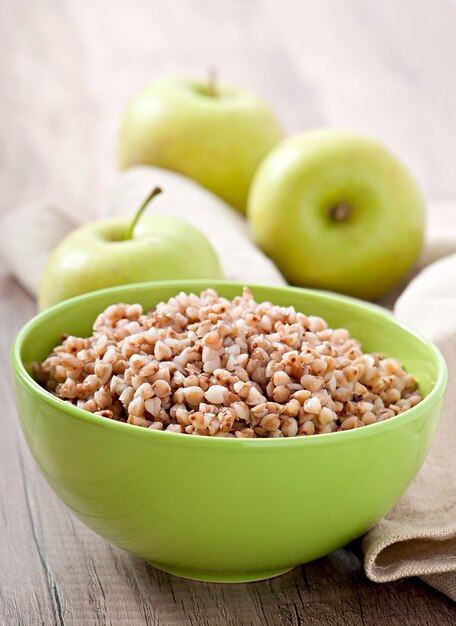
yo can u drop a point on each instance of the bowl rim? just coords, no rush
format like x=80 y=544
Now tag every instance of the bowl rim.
x=377 y=311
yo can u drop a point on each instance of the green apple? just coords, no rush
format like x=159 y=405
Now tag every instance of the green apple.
x=120 y=251
x=214 y=134
x=335 y=210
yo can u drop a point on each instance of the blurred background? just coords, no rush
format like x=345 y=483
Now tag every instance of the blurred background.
x=68 y=68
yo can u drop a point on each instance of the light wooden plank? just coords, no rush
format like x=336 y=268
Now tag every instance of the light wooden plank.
x=71 y=66
x=383 y=68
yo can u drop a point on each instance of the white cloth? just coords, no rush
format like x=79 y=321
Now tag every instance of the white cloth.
x=41 y=226
x=28 y=234
x=418 y=537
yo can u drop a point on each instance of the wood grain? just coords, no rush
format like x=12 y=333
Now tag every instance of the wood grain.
x=66 y=70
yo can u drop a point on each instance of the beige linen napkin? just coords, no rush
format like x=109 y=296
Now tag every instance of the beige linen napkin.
x=418 y=537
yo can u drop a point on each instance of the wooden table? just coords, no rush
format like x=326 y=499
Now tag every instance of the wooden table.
x=66 y=70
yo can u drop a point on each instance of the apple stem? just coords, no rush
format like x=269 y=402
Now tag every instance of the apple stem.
x=340 y=212
x=155 y=192
x=212 y=84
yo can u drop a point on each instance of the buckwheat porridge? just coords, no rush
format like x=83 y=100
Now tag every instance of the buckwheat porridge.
x=204 y=365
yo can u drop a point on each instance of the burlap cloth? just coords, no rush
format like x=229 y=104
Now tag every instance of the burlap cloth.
x=416 y=538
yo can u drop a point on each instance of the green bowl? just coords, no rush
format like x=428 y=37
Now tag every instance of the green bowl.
x=226 y=510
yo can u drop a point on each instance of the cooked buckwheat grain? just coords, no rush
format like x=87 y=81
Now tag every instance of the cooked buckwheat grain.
x=204 y=365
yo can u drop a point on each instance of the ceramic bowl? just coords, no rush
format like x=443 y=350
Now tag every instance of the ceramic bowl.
x=216 y=509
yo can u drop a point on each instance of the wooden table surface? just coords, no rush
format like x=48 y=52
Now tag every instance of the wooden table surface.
x=66 y=70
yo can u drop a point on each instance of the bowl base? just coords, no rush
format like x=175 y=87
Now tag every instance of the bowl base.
x=216 y=577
